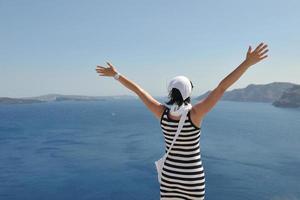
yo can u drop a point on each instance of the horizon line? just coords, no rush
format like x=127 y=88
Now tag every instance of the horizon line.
x=135 y=96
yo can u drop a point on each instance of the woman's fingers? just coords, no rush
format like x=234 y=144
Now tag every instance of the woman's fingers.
x=103 y=71
x=263 y=57
x=258 y=54
x=99 y=71
x=249 y=49
x=100 y=68
x=262 y=48
x=264 y=52
x=110 y=65
x=258 y=47
x=107 y=71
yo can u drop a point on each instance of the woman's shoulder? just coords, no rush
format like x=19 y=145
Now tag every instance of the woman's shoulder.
x=196 y=121
x=163 y=110
x=164 y=107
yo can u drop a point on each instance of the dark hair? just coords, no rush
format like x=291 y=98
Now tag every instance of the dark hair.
x=176 y=97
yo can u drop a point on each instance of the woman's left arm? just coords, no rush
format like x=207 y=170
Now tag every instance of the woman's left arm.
x=252 y=57
x=152 y=104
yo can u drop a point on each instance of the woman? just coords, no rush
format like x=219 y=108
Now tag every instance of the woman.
x=183 y=174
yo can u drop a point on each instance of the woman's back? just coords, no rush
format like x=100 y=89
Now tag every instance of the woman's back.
x=182 y=175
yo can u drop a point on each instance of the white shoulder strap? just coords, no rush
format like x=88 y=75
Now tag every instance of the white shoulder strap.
x=180 y=125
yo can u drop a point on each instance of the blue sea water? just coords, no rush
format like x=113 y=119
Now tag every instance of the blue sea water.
x=107 y=149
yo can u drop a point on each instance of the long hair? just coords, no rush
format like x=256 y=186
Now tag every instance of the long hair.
x=176 y=97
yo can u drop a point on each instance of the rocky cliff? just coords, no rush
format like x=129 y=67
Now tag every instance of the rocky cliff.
x=283 y=94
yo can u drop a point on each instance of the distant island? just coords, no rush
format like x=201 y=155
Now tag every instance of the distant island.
x=60 y=97
x=289 y=98
x=280 y=94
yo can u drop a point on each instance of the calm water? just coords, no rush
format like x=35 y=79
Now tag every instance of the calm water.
x=106 y=150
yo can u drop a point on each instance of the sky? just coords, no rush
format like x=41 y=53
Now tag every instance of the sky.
x=54 y=46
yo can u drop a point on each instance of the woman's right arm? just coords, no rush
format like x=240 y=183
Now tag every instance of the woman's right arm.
x=204 y=106
x=151 y=103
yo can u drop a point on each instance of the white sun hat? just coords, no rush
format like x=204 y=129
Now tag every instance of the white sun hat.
x=183 y=84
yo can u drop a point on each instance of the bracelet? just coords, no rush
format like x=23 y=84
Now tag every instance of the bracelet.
x=117 y=76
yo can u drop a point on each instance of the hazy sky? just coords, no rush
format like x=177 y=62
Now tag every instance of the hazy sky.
x=54 y=46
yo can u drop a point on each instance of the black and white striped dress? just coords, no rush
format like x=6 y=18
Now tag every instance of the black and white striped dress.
x=183 y=174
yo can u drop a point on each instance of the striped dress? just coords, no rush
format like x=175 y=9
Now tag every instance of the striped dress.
x=183 y=174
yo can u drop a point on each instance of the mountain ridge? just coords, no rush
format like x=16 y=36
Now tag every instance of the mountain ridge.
x=267 y=93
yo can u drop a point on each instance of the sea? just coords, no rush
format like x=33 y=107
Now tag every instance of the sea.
x=105 y=150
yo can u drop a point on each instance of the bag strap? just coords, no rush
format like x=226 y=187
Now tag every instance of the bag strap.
x=180 y=125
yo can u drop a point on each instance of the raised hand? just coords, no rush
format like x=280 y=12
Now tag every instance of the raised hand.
x=106 y=71
x=257 y=55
